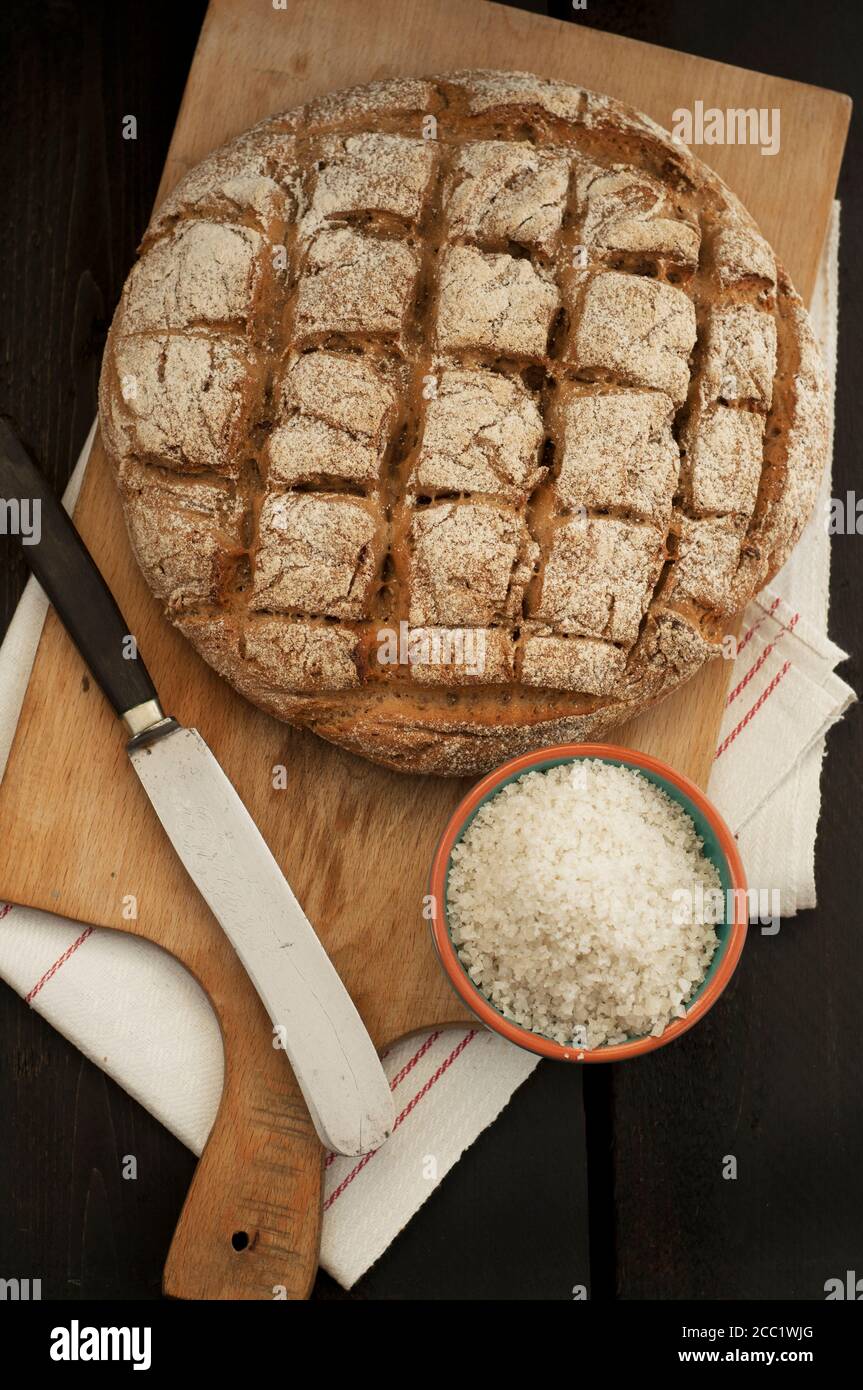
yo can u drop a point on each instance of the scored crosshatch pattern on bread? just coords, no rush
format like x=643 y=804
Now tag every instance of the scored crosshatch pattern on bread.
x=483 y=352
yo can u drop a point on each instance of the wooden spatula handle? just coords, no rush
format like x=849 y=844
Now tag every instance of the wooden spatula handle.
x=251 y=1224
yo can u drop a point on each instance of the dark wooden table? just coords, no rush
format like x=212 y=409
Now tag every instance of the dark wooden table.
x=772 y=1076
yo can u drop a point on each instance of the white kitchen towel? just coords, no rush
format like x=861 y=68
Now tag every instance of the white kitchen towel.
x=784 y=693
x=134 y=1011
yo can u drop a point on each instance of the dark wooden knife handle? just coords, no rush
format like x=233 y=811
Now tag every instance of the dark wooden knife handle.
x=63 y=565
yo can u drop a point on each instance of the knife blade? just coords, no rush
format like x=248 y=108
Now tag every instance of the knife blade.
x=221 y=848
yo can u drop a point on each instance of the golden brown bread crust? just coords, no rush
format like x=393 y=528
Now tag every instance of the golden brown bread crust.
x=454 y=417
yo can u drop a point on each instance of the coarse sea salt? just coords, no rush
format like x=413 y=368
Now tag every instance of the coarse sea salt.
x=561 y=903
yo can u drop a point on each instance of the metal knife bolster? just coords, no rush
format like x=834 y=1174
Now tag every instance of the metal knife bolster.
x=145 y=720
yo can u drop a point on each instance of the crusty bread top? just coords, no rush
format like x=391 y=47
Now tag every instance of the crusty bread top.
x=484 y=360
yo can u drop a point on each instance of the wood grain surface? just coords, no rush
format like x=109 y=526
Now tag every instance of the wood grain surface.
x=355 y=841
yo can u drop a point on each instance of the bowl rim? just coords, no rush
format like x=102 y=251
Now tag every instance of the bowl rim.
x=477 y=1002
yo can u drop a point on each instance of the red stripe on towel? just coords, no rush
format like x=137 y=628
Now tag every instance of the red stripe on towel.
x=756 y=667
x=5 y=909
x=411 y=1105
x=418 y=1055
x=49 y=974
x=400 y=1076
x=750 y=714
x=768 y=613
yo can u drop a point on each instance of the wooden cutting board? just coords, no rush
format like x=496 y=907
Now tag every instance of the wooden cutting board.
x=355 y=841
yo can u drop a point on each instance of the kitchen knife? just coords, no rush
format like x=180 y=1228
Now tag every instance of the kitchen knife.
x=332 y=1055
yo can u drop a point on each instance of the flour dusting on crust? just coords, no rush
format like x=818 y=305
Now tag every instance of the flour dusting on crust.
x=458 y=415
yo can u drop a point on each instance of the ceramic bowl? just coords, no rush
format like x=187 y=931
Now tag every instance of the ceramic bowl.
x=719 y=846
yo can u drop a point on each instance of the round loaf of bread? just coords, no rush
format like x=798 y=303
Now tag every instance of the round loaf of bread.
x=457 y=416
